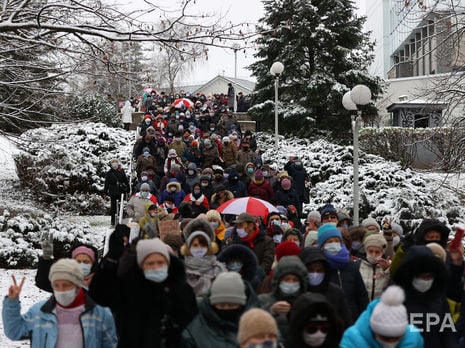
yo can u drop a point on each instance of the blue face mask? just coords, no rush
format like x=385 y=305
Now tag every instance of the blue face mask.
x=289 y=288
x=156 y=275
x=250 y=170
x=333 y=248
x=85 y=268
x=235 y=266
x=197 y=192
x=356 y=245
x=315 y=278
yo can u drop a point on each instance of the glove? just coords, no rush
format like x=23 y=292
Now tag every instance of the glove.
x=46 y=242
x=117 y=242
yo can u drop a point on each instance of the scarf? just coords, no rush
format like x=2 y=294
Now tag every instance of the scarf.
x=78 y=301
x=340 y=260
x=250 y=239
x=202 y=266
x=199 y=199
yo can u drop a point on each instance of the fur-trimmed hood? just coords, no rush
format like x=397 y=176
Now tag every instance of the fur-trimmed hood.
x=173 y=183
x=431 y=225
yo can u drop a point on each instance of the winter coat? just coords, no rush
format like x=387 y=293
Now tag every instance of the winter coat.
x=287 y=265
x=298 y=175
x=210 y=156
x=209 y=330
x=237 y=188
x=420 y=259
x=146 y=141
x=199 y=205
x=178 y=195
x=334 y=294
x=215 y=201
x=116 y=183
x=249 y=261
x=144 y=162
x=179 y=146
x=361 y=335
x=153 y=186
x=201 y=272
x=169 y=161
x=244 y=157
x=40 y=325
x=263 y=247
x=126 y=112
x=374 y=277
x=136 y=205
x=146 y=313
x=229 y=154
x=288 y=197
x=305 y=307
x=261 y=191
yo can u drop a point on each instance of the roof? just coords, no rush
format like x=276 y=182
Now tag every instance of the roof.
x=416 y=103
x=246 y=86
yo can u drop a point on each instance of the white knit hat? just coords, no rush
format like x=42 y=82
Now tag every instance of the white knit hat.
x=146 y=247
x=66 y=269
x=389 y=317
x=370 y=222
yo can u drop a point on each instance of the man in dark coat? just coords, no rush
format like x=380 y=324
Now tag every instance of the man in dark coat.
x=248 y=233
x=146 y=291
x=116 y=183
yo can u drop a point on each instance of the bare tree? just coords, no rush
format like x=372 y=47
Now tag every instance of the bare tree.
x=44 y=43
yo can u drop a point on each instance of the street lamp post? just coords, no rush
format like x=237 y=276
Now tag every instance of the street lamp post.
x=359 y=95
x=276 y=69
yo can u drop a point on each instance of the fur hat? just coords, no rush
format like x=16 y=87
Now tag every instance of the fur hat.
x=199 y=227
x=228 y=287
x=370 y=222
x=256 y=322
x=389 y=317
x=376 y=240
x=327 y=231
x=84 y=250
x=66 y=269
x=437 y=250
x=146 y=247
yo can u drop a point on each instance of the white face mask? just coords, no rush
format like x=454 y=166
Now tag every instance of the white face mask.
x=395 y=240
x=198 y=252
x=315 y=339
x=114 y=165
x=373 y=260
x=333 y=248
x=422 y=285
x=289 y=288
x=241 y=232
x=65 y=298
x=214 y=224
x=85 y=268
x=144 y=178
x=277 y=238
x=315 y=278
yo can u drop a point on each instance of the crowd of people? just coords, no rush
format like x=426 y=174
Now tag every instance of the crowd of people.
x=283 y=279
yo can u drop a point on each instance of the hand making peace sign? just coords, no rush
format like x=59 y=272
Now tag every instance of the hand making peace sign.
x=15 y=290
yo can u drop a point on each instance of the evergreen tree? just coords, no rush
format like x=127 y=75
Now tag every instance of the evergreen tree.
x=324 y=52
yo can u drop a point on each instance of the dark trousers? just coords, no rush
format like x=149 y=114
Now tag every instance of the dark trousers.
x=126 y=126
x=114 y=200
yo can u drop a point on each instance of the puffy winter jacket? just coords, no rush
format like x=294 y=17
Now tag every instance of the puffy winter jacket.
x=374 y=277
x=261 y=191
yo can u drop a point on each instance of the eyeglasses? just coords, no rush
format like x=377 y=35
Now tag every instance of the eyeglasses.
x=313 y=328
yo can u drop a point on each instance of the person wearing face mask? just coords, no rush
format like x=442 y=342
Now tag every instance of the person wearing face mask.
x=286 y=195
x=235 y=185
x=294 y=235
x=319 y=281
x=144 y=178
x=218 y=177
x=172 y=159
x=149 y=222
x=260 y=188
x=210 y=153
x=240 y=259
x=199 y=250
x=217 y=224
x=116 y=183
x=374 y=269
x=248 y=233
x=170 y=207
x=297 y=172
x=329 y=215
x=220 y=195
x=173 y=189
x=245 y=155
x=258 y=329
x=217 y=323
x=69 y=318
x=84 y=254
x=136 y=204
x=144 y=161
x=314 y=323
x=192 y=175
x=229 y=152
x=197 y=200
x=384 y=324
x=145 y=287
x=343 y=272
x=424 y=278
x=288 y=282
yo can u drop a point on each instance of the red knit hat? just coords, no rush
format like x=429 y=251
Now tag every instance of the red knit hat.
x=287 y=248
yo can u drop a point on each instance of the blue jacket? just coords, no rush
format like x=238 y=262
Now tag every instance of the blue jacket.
x=40 y=325
x=360 y=334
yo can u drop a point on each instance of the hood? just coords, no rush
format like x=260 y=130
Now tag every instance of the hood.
x=311 y=255
x=304 y=308
x=174 y=183
x=289 y=264
x=420 y=259
x=198 y=224
x=430 y=225
x=244 y=254
x=294 y=231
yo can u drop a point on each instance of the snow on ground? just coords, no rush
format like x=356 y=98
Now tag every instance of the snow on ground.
x=7 y=164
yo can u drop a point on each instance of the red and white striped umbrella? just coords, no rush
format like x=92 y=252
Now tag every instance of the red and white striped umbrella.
x=183 y=101
x=254 y=206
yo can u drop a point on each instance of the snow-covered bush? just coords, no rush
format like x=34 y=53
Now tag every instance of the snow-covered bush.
x=20 y=237
x=65 y=164
x=386 y=189
x=94 y=108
